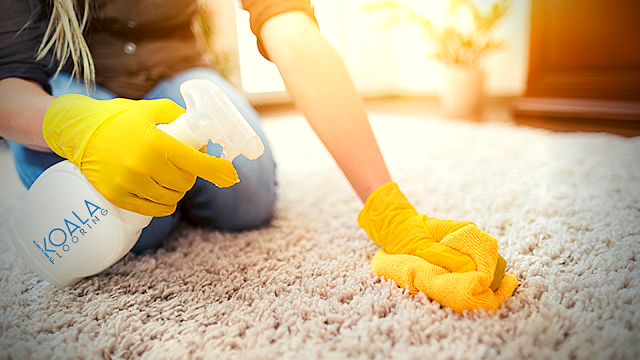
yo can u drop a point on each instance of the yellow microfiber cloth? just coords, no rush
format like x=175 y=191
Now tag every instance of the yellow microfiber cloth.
x=452 y=262
x=459 y=291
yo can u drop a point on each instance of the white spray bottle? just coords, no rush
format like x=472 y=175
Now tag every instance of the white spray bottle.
x=66 y=230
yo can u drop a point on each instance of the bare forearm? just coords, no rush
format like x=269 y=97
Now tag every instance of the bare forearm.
x=322 y=89
x=22 y=108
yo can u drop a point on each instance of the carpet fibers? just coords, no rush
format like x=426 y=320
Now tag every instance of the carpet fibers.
x=564 y=207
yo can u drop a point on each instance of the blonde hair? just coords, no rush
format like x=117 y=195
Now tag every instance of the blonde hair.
x=65 y=36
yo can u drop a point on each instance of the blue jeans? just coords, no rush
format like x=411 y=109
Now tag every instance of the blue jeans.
x=242 y=206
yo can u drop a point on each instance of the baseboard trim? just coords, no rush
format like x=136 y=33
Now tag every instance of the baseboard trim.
x=577 y=108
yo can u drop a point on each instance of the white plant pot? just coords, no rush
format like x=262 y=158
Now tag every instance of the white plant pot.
x=462 y=92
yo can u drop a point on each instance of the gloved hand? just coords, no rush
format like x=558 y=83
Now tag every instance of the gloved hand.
x=393 y=223
x=133 y=164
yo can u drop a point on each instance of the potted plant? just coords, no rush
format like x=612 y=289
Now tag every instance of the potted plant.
x=461 y=44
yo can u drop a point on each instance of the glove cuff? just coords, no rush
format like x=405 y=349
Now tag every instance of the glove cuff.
x=383 y=204
x=386 y=188
x=67 y=129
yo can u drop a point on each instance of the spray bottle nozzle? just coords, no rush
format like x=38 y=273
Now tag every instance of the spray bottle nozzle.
x=211 y=116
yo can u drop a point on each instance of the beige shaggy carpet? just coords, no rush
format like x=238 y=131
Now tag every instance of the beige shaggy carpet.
x=565 y=208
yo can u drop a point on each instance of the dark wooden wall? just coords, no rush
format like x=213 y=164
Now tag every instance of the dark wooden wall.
x=584 y=66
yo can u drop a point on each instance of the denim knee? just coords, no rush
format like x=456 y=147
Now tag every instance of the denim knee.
x=255 y=210
x=243 y=206
x=156 y=232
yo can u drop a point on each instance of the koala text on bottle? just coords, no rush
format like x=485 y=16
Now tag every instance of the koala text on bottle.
x=60 y=237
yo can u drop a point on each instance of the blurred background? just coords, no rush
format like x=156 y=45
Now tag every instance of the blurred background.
x=382 y=60
x=567 y=65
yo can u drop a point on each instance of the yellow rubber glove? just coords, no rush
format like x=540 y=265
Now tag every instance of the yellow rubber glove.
x=133 y=164
x=393 y=223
